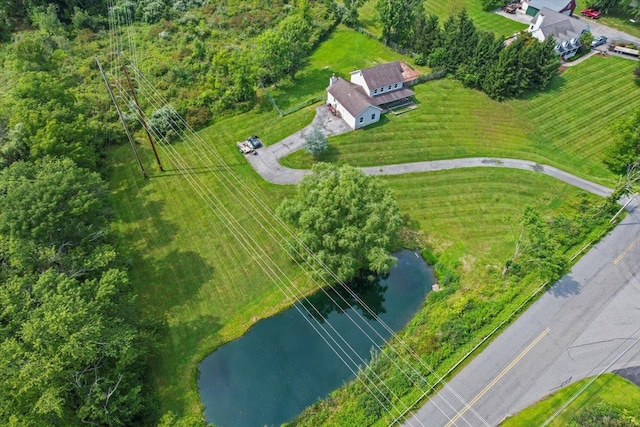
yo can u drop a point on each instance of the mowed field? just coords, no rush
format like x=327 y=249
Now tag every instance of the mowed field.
x=201 y=286
x=443 y=9
x=192 y=275
x=567 y=126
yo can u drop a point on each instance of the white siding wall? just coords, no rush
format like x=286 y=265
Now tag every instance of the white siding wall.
x=385 y=89
x=351 y=121
x=356 y=77
x=535 y=30
x=346 y=116
x=368 y=116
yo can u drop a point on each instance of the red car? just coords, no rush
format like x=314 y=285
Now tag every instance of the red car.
x=590 y=13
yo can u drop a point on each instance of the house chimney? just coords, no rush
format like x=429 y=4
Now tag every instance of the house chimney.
x=333 y=79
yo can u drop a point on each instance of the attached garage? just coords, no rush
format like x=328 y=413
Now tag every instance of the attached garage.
x=353 y=105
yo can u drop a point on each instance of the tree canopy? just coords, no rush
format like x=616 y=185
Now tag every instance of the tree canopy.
x=315 y=142
x=344 y=220
x=71 y=345
x=626 y=147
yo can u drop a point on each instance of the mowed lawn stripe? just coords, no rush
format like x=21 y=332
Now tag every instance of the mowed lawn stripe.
x=477 y=206
x=568 y=126
x=593 y=96
x=487 y=21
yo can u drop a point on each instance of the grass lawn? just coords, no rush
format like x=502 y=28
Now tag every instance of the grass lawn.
x=567 y=126
x=472 y=211
x=483 y=20
x=192 y=275
x=332 y=57
x=609 y=388
x=189 y=271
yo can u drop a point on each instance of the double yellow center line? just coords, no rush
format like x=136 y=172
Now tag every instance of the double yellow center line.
x=626 y=251
x=498 y=377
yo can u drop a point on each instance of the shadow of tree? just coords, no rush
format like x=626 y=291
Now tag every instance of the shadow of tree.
x=369 y=290
x=174 y=279
x=565 y=287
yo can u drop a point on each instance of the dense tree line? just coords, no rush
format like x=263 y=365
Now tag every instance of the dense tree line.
x=224 y=49
x=73 y=349
x=477 y=58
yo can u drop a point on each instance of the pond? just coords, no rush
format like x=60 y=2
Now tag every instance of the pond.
x=282 y=365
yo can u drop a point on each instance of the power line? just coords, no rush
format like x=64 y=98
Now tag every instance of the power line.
x=247 y=190
x=273 y=216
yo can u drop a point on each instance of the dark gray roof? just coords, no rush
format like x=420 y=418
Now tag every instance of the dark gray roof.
x=555 y=5
x=351 y=96
x=393 y=95
x=382 y=75
x=560 y=26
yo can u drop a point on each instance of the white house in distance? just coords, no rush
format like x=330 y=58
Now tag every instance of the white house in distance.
x=563 y=28
x=532 y=7
x=370 y=93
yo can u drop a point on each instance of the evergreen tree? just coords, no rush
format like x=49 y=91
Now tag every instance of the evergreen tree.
x=427 y=35
x=460 y=40
x=474 y=69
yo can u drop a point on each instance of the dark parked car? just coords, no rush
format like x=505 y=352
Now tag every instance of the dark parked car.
x=254 y=141
x=598 y=41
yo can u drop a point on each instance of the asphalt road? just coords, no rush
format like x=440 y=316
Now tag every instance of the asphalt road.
x=595 y=27
x=586 y=324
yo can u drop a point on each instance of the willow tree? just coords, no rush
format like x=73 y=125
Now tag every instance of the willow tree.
x=345 y=222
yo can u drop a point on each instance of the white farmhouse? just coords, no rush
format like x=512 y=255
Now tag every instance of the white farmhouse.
x=564 y=29
x=371 y=92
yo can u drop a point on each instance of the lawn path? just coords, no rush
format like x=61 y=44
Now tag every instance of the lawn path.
x=267 y=160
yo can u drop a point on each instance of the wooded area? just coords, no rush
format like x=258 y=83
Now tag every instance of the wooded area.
x=74 y=349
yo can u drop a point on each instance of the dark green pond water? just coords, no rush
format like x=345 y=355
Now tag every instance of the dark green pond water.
x=282 y=365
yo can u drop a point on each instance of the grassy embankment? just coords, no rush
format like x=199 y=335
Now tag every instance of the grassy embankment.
x=189 y=273
x=608 y=389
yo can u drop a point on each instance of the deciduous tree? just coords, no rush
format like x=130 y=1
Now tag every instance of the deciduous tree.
x=626 y=147
x=398 y=19
x=343 y=220
x=315 y=142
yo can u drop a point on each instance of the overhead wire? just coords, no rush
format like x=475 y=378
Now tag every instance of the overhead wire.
x=252 y=247
x=364 y=306
x=374 y=315
x=246 y=189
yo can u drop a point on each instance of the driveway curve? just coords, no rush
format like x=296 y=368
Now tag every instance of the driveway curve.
x=267 y=161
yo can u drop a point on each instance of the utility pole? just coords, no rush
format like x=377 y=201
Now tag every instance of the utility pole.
x=140 y=113
x=124 y=123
